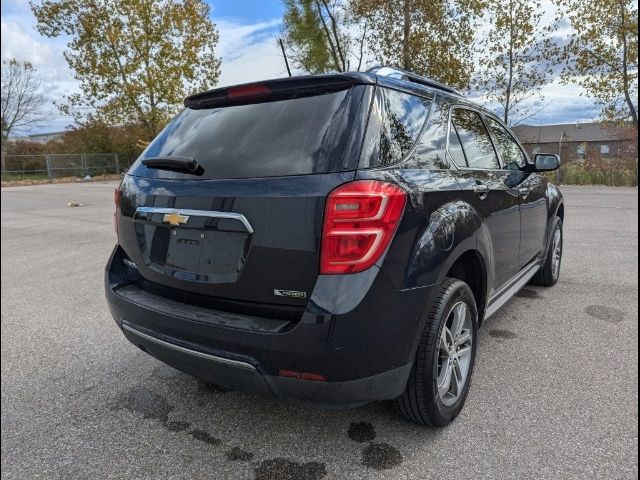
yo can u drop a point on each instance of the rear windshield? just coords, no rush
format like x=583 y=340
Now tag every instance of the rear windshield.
x=294 y=135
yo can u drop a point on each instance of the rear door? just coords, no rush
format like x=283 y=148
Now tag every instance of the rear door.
x=246 y=224
x=485 y=185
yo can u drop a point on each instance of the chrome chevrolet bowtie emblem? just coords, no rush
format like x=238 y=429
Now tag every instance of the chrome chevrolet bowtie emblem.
x=175 y=219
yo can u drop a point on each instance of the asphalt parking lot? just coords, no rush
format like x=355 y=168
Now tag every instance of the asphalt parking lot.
x=554 y=395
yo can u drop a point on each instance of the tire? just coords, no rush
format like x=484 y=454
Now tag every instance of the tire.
x=422 y=402
x=548 y=275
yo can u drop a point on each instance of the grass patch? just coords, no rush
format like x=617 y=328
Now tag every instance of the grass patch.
x=613 y=175
x=19 y=176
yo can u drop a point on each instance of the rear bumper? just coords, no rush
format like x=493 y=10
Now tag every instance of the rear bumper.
x=246 y=377
x=357 y=331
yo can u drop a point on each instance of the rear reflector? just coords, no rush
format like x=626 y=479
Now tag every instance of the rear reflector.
x=247 y=91
x=314 y=377
x=360 y=220
x=117 y=199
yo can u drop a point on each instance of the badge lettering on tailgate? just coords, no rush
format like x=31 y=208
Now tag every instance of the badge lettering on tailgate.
x=289 y=293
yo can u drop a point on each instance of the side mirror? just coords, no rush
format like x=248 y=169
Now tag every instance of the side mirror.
x=546 y=162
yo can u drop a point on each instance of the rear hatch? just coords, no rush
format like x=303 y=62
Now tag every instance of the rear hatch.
x=227 y=202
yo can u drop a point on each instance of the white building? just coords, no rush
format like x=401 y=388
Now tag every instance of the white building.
x=43 y=137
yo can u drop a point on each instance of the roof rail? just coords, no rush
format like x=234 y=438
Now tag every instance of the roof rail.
x=411 y=77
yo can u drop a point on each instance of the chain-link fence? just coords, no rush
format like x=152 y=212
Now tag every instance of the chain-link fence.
x=42 y=167
x=50 y=166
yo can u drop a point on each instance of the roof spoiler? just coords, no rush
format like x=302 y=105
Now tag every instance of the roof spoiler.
x=411 y=77
x=256 y=90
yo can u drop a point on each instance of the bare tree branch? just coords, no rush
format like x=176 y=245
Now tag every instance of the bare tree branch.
x=332 y=47
x=22 y=104
x=362 y=39
x=336 y=36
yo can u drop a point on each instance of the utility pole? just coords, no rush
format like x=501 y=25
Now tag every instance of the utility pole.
x=558 y=173
x=286 y=62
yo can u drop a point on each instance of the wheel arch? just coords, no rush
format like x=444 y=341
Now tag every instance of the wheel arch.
x=470 y=267
x=452 y=229
x=556 y=210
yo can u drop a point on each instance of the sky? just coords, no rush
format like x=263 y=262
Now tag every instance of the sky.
x=248 y=48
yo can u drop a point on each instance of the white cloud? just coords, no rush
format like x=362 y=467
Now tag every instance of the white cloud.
x=561 y=103
x=564 y=103
x=249 y=52
x=234 y=33
x=21 y=41
x=17 y=43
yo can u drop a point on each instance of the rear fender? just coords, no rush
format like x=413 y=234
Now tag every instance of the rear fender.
x=453 y=229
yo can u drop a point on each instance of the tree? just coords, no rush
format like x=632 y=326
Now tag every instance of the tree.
x=518 y=57
x=602 y=54
x=23 y=104
x=428 y=37
x=135 y=60
x=321 y=36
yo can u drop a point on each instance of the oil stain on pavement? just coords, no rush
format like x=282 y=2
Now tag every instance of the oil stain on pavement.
x=381 y=456
x=211 y=389
x=607 y=314
x=177 y=426
x=144 y=401
x=503 y=334
x=236 y=454
x=362 y=432
x=205 y=437
x=283 y=469
x=155 y=407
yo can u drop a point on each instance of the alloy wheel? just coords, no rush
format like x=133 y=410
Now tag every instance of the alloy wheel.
x=454 y=353
x=556 y=252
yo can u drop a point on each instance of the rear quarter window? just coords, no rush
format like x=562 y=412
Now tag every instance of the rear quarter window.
x=294 y=135
x=395 y=122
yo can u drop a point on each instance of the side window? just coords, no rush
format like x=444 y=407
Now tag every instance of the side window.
x=475 y=139
x=512 y=156
x=455 y=148
x=395 y=122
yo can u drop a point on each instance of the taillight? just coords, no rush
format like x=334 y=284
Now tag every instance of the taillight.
x=360 y=220
x=117 y=199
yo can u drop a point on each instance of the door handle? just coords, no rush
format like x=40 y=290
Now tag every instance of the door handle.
x=480 y=188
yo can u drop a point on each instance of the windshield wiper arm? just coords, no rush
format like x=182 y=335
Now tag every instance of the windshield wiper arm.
x=188 y=164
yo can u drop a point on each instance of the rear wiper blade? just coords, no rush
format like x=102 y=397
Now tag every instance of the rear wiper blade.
x=185 y=164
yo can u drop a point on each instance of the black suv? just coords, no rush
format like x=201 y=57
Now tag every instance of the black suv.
x=332 y=239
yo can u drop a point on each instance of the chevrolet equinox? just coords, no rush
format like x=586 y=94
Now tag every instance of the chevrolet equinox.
x=333 y=240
